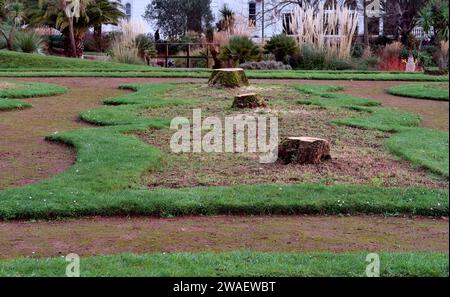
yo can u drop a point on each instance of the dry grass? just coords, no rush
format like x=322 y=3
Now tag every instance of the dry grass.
x=359 y=156
x=333 y=32
x=6 y=85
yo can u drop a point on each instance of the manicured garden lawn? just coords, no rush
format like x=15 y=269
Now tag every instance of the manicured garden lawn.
x=29 y=65
x=237 y=264
x=10 y=91
x=437 y=91
x=384 y=164
x=110 y=164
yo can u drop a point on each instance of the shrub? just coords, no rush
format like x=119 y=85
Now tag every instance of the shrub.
x=125 y=55
x=358 y=50
x=339 y=64
x=265 y=65
x=390 y=58
x=240 y=49
x=123 y=47
x=28 y=42
x=309 y=58
x=281 y=46
x=436 y=71
x=97 y=44
x=146 y=47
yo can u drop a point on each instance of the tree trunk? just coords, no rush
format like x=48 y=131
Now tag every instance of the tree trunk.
x=228 y=78
x=304 y=150
x=366 y=24
x=73 y=48
x=98 y=36
x=250 y=100
x=215 y=56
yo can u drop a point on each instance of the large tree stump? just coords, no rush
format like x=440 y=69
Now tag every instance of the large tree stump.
x=250 y=100
x=228 y=78
x=304 y=150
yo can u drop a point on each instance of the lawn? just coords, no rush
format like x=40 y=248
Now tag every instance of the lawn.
x=383 y=164
x=243 y=264
x=30 y=65
x=9 y=90
x=111 y=165
x=432 y=91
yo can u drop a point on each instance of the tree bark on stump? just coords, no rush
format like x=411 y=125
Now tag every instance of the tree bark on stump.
x=304 y=150
x=250 y=100
x=228 y=78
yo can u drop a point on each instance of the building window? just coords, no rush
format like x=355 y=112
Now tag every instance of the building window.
x=287 y=24
x=128 y=10
x=252 y=14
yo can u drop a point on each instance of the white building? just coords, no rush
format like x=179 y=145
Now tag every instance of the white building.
x=252 y=10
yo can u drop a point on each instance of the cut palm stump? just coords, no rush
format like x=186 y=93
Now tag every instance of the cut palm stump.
x=228 y=78
x=250 y=100
x=304 y=150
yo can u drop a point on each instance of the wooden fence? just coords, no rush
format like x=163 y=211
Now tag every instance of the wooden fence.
x=165 y=49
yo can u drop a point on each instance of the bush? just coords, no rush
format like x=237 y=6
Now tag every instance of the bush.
x=281 y=46
x=240 y=49
x=265 y=65
x=97 y=44
x=436 y=71
x=358 y=50
x=339 y=64
x=309 y=58
x=28 y=42
x=146 y=47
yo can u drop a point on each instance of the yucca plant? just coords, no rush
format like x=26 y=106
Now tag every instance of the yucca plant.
x=281 y=46
x=28 y=42
x=239 y=50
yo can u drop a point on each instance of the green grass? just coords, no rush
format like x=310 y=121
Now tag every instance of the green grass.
x=8 y=104
x=26 y=90
x=30 y=65
x=105 y=179
x=10 y=59
x=233 y=264
x=29 y=90
x=423 y=147
x=422 y=91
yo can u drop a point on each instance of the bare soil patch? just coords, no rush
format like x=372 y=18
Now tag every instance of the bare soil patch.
x=25 y=156
x=100 y=236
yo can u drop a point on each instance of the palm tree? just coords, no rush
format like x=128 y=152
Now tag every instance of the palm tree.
x=58 y=14
x=11 y=12
x=104 y=12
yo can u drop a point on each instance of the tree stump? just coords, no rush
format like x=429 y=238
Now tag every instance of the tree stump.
x=304 y=150
x=250 y=100
x=228 y=78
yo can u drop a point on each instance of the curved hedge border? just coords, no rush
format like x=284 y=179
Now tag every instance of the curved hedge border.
x=27 y=90
x=105 y=179
x=421 y=91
